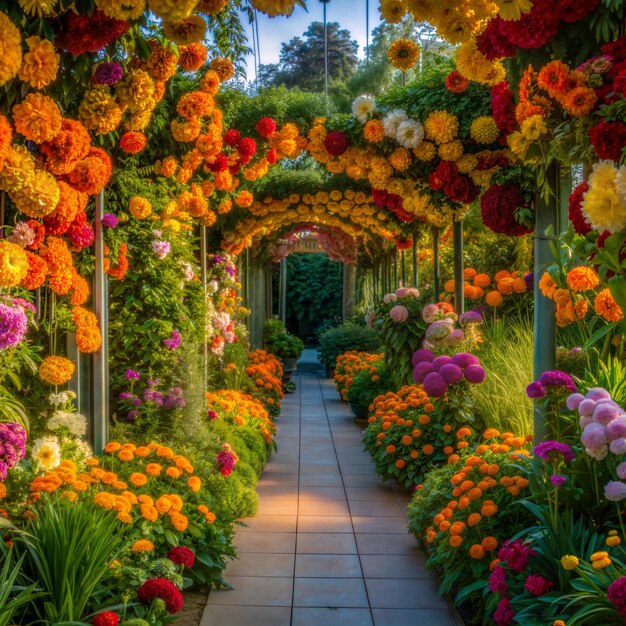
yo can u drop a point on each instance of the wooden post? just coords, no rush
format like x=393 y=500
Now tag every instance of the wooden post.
x=415 y=274
x=282 y=291
x=395 y=269
x=459 y=281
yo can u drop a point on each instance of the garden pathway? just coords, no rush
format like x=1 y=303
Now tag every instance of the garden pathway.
x=329 y=544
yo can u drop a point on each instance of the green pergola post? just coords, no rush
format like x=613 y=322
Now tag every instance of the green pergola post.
x=546 y=225
x=282 y=291
x=204 y=277
x=436 y=262
x=415 y=276
x=459 y=281
x=100 y=379
x=395 y=269
x=403 y=268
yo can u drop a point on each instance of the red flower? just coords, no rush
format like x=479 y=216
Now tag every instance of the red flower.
x=608 y=139
x=163 y=589
x=88 y=33
x=40 y=233
x=457 y=189
x=108 y=618
x=232 y=137
x=81 y=236
x=219 y=165
x=456 y=82
x=336 y=143
x=234 y=169
x=503 y=107
x=380 y=197
x=182 y=556
x=271 y=156
x=538 y=585
x=616 y=594
x=534 y=29
x=575 y=211
x=246 y=147
x=403 y=244
x=266 y=127
x=498 y=206
x=132 y=142
x=493 y=42
x=616 y=49
x=574 y=10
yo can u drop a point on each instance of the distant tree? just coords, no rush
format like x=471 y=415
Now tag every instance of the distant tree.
x=302 y=59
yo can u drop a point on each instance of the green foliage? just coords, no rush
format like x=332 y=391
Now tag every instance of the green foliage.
x=610 y=375
x=287 y=346
x=68 y=550
x=348 y=336
x=367 y=385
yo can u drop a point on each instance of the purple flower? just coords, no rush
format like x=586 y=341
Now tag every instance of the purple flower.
x=557 y=378
x=212 y=415
x=538 y=585
x=470 y=317
x=598 y=394
x=423 y=355
x=465 y=359
x=217 y=259
x=161 y=248
x=605 y=412
x=516 y=554
x=132 y=375
x=12 y=446
x=594 y=436
x=621 y=471
x=126 y=395
x=231 y=270
x=132 y=415
x=550 y=451
x=497 y=580
x=536 y=390
x=529 y=279
x=618 y=446
x=13 y=326
x=558 y=480
x=574 y=401
x=173 y=341
x=615 y=491
x=136 y=402
x=107 y=74
x=474 y=374
x=421 y=370
x=226 y=461
x=109 y=220
x=25 y=304
x=616 y=594
x=451 y=373
x=153 y=382
x=435 y=385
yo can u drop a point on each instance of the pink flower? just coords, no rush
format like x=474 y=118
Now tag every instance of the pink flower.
x=616 y=428
x=615 y=491
x=402 y=292
x=399 y=313
x=616 y=594
x=538 y=585
x=594 y=436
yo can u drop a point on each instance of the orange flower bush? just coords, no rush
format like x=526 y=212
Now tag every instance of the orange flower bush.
x=349 y=364
x=266 y=373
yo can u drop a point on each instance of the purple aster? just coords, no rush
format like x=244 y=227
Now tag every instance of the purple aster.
x=13 y=326
x=25 y=304
x=12 y=446
x=217 y=259
x=173 y=341
x=551 y=450
x=132 y=415
x=529 y=279
x=536 y=390
x=231 y=270
x=558 y=480
x=109 y=220
x=132 y=375
x=470 y=317
x=557 y=378
x=107 y=74
x=125 y=395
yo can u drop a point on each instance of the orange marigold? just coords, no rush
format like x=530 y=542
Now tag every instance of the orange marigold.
x=38 y=118
x=582 y=278
x=223 y=67
x=606 y=306
x=192 y=56
x=132 y=142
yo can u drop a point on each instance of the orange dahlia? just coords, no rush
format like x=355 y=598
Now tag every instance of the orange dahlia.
x=580 y=101
x=223 y=67
x=192 y=57
x=554 y=78
x=582 y=279
x=38 y=118
x=606 y=306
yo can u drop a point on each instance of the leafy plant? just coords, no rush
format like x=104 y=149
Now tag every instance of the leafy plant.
x=287 y=346
x=348 y=336
x=370 y=383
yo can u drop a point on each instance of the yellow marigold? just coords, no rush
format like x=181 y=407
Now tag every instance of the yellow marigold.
x=400 y=159
x=441 y=126
x=126 y=10
x=274 y=7
x=105 y=500
x=211 y=7
x=139 y=207
x=484 y=129
x=582 y=278
x=13 y=264
x=39 y=197
x=192 y=29
x=392 y=11
x=99 y=111
x=403 y=54
x=602 y=204
x=10 y=49
x=223 y=67
x=142 y=545
x=136 y=90
x=179 y=521
x=426 y=151
x=172 y=10
x=513 y=9
x=451 y=151
x=606 y=306
x=40 y=64
x=38 y=8
x=149 y=512
x=38 y=118
x=472 y=64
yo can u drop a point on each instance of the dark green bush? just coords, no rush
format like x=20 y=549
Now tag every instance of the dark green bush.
x=348 y=336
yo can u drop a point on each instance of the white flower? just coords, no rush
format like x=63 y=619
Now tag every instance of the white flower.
x=83 y=449
x=389 y=298
x=363 y=107
x=58 y=398
x=188 y=272
x=392 y=120
x=410 y=134
x=46 y=453
x=74 y=422
x=213 y=286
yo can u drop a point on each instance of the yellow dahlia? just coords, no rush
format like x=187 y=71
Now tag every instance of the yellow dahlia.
x=484 y=129
x=40 y=64
x=38 y=118
x=211 y=7
x=403 y=54
x=39 y=8
x=10 y=49
x=172 y=10
x=13 y=264
x=601 y=204
x=18 y=169
x=400 y=159
x=441 y=126
x=426 y=151
x=39 y=197
x=451 y=151
x=274 y=7
x=455 y=26
x=511 y=10
x=136 y=90
x=471 y=63
x=138 y=121
x=99 y=110
x=124 y=10
x=422 y=10
x=392 y=11
x=56 y=370
x=190 y=30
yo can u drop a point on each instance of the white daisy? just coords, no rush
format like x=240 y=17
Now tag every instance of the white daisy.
x=46 y=453
x=392 y=120
x=410 y=134
x=363 y=107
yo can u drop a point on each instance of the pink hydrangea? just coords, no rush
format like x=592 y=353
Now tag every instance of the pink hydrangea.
x=402 y=292
x=594 y=436
x=389 y=298
x=430 y=313
x=399 y=313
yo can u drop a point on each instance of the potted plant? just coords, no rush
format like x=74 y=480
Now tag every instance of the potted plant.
x=288 y=348
x=366 y=385
x=340 y=339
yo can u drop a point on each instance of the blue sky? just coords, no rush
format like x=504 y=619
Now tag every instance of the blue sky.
x=272 y=31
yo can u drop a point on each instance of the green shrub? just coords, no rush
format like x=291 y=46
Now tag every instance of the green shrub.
x=348 y=336
x=370 y=383
x=286 y=346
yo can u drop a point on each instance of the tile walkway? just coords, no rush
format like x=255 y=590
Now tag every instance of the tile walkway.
x=329 y=544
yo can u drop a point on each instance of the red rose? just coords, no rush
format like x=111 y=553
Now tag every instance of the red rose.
x=336 y=143
x=608 y=139
x=498 y=206
x=493 y=43
x=246 y=147
x=575 y=209
x=182 y=556
x=266 y=127
x=163 y=589
x=108 y=618
x=232 y=137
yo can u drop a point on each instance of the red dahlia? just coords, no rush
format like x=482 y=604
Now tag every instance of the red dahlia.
x=503 y=107
x=608 y=139
x=271 y=156
x=380 y=197
x=163 y=589
x=534 y=29
x=219 y=165
x=266 y=127
x=616 y=49
x=108 y=618
x=575 y=213
x=246 y=147
x=498 y=206
x=493 y=43
x=232 y=137
x=574 y=10
x=182 y=556
x=88 y=33
x=336 y=143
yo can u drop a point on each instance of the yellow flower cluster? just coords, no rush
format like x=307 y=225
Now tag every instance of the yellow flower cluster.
x=471 y=63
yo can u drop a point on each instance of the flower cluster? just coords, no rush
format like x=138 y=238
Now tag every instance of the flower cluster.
x=12 y=446
x=266 y=373
x=439 y=373
x=349 y=364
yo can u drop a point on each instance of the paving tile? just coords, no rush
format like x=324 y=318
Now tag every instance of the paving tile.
x=407 y=593
x=323 y=507
x=325 y=524
x=328 y=565
x=255 y=564
x=395 y=566
x=322 y=493
x=279 y=507
x=404 y=617
x=325 y=543
x=269 y=524
x=318 y=468
x=321 y=480
x=329 y=592
x=351 y=480
x=276 y=492
x=227 y=615
x=377 y=508
x=381 y=492
x=267 y=543
x=384 y=525
x=307 y=616
x=255 y=591
x=373 y=543
x=277 y=480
